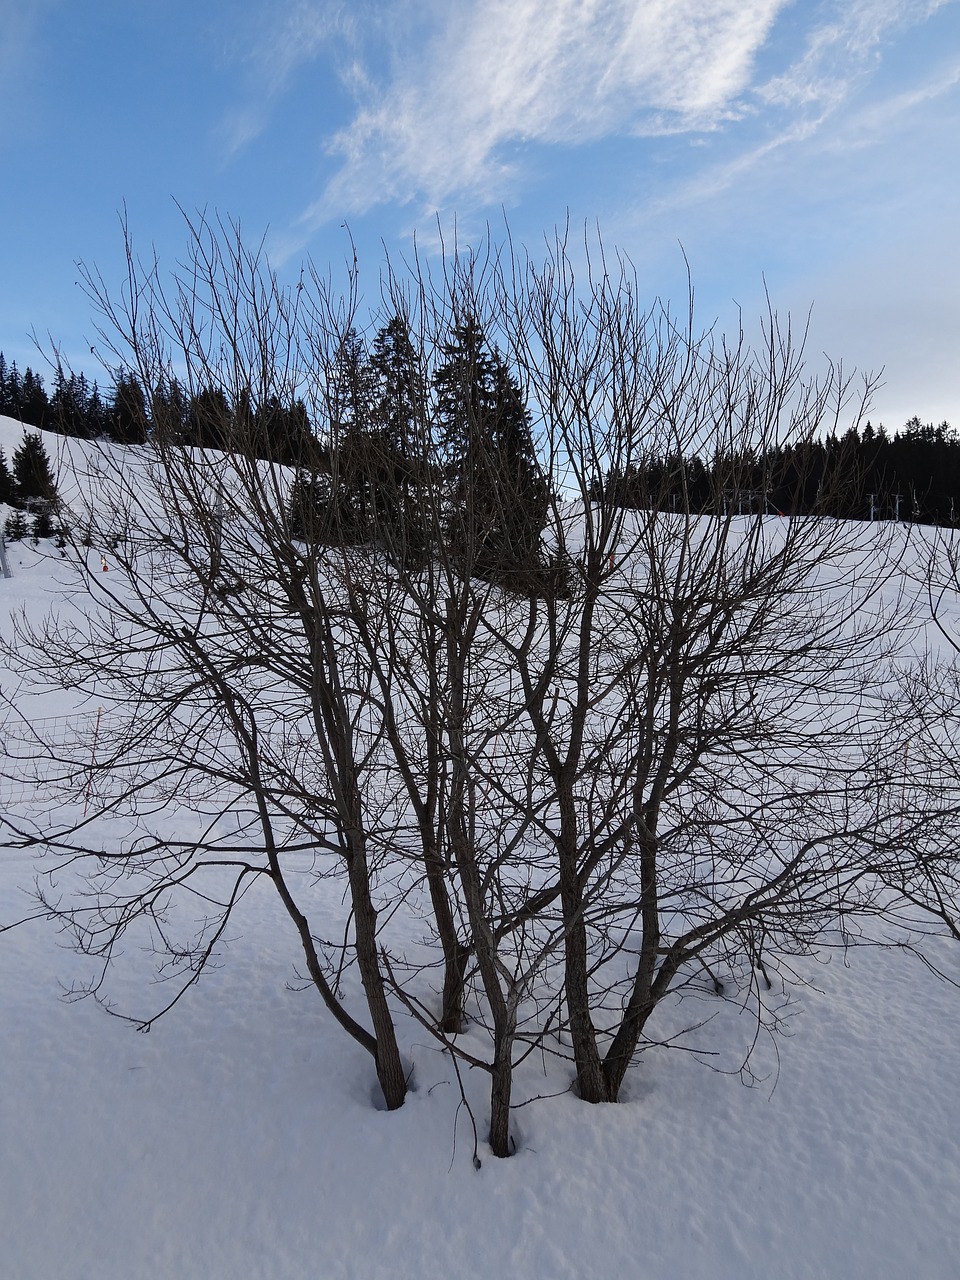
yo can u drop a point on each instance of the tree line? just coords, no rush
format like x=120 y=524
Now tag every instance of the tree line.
x=862 y=474
x=202 y=418
x=357 y=480
x=912 y=475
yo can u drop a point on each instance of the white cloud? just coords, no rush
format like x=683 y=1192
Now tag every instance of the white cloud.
x=572 y=71
x=305 y=28
x=878 y=118
x=813 y=108
x=449 y=91
x=272 y=54
x=842 y=48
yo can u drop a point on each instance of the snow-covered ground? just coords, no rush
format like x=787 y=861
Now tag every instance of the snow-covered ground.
x=239 y=1138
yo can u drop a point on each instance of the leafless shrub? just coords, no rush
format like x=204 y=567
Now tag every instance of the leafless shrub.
x=596 y=754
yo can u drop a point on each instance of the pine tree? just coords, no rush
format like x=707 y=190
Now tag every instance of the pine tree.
x=16 y=528
x=354 y=449
x=33 y=406
x=32 y=474
x=168 y=412
x=401 y=433
x=294 y=441
x=209 y=420
x=127 y=416
x=498 y=496
x=282 y=434
x=69 y=403
x=524 y=499
x=41 y=526
x=398 y=388
x=309 y=507
x=11 y=391
x=98 y=415
x=22 y=397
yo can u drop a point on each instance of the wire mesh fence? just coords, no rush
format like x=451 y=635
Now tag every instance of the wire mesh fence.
x=46 y=760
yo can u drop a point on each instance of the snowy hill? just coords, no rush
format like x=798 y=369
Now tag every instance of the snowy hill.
x=240 y=1138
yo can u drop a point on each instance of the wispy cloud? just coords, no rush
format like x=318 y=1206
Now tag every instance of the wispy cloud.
x=450 y=94
x=272 y=54
x=21 y=27
x=843 y=47
x=554 y=71
x=834 y=97
x=877 y=119
x=19 y=23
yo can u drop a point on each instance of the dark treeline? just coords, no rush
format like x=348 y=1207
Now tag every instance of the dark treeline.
x=865 y=474
x=387 y=431
x=912 y=475
x=130 y=414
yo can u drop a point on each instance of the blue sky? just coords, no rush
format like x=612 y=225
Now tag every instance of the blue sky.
x=814 y=146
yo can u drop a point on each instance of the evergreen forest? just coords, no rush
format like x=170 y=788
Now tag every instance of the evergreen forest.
x=867 y=473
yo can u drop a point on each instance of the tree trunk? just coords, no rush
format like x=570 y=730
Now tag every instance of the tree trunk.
x=390 y=1071
x=591 y=1082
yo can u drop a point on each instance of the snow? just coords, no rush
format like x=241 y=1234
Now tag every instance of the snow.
x=241 y=1137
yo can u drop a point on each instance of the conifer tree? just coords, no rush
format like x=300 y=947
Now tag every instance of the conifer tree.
x=16 y=528
x=353 y=446
x=32 y=473
x=499 y=499
x=293 y=438
x=281 y=434
x=127 y=417
x=23 y=396
x=399 y=391
x=168 y=412
x=68 y=406
x=34 y=405
x=209 y=420
x=11 y=391
x=41 y=526
x=97 y=416
x=309 y=510
x=403 y=437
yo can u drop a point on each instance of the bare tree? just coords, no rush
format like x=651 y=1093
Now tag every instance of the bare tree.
x=220 y=650
x=919 y=866
x=713 y=669
x=590 y=755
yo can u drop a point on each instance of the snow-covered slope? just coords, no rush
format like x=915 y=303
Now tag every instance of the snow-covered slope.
x=240 y=1139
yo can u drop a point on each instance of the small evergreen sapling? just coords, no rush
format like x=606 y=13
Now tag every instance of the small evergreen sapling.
x=32 y=473
x=15 y=528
